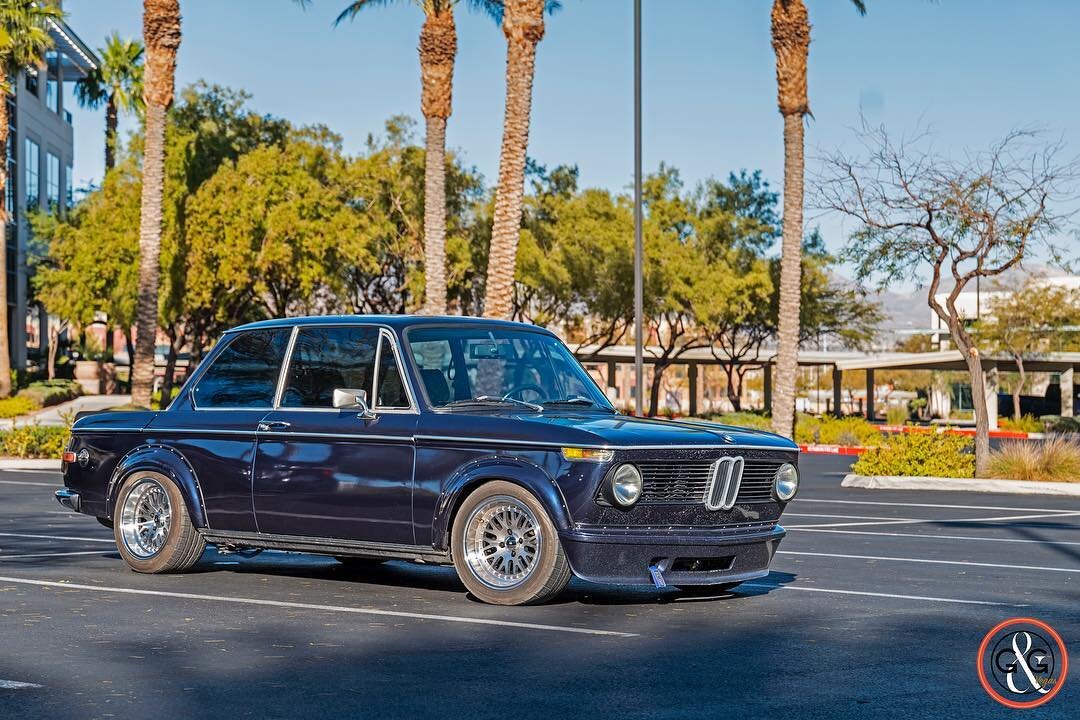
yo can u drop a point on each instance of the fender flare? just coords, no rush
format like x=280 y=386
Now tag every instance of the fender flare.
x=167 y=461
x=514 y=470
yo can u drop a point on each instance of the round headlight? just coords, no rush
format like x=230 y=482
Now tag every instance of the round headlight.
x=626 y=485
x=786 y=482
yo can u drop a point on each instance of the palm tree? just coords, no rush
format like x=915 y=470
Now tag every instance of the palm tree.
x=117 y=83
x=438 y=51
x=161 y=33
x=791 y=43
x=523 y=25
x=24 y=39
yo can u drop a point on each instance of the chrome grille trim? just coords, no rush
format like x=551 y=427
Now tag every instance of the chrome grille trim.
x=679 y=482
x=724 y=484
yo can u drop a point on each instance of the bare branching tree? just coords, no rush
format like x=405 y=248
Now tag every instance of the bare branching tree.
x=962 y=219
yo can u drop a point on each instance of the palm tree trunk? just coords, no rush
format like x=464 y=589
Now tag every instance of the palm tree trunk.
x=438 y=49
x=791 y=43
x=787 y=336
x=110 y=133
x=523 y=25
x=5 y=348
x=142 y=373
x=161 y=32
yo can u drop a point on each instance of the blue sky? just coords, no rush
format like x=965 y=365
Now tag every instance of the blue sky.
x=968 y=69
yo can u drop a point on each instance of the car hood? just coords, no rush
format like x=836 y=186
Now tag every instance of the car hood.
x=623 y=430
x=595 y=429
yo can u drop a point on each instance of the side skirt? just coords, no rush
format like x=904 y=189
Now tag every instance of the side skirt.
x=325 y=546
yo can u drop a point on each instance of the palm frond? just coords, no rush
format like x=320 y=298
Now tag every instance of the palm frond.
x=24 y=33
x=353 y=9
x=860 y=5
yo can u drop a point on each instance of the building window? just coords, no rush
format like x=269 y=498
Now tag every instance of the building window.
x=52 y=180
x=31 y=159
x=32 y=81
x=12 y=167
x=52 y=87
x=69 y=187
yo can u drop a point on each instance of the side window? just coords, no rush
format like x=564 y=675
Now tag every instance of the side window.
x=328 y=358
x=391 y=390
x=245 y=374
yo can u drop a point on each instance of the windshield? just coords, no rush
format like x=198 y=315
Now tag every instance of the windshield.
x=476 y=365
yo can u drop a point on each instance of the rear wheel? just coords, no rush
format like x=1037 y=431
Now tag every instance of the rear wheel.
x=505 y=547
x=152 y=528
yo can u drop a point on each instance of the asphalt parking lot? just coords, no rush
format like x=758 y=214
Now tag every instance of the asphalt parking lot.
x=875 y=608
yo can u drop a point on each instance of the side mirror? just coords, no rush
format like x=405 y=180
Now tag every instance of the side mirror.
x=353 y=399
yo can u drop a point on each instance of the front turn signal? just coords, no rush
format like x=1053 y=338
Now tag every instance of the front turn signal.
x=587 y=454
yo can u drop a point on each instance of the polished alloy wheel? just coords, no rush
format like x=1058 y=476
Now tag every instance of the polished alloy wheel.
x=145 y=519
x=503 y=542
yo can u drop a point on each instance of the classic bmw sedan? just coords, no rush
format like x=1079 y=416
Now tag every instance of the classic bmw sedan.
x=477 y=443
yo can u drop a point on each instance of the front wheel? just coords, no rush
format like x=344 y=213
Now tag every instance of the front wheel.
x=152 y=528
x=505 y=547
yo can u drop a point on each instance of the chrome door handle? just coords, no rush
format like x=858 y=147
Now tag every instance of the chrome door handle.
x=272 y=425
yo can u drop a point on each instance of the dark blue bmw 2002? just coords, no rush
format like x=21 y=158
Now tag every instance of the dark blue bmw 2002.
x=479 y=443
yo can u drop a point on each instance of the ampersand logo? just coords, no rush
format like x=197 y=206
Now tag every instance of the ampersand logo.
x=1022 y=663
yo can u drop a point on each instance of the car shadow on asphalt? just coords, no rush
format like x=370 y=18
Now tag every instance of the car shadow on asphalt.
x=443 y=578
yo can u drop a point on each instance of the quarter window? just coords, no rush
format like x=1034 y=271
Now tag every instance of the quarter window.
x=328 y=358
x=391 y=389
x=245 y=374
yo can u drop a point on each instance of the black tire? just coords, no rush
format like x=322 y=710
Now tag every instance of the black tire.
x=550 y=569
x=183 y=544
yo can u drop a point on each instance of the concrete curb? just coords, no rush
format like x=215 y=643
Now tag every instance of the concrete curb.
x=1013 y=487
x=968 y=431
x=29 y=464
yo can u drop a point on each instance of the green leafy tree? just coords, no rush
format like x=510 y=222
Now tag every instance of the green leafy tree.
x=1028 y=321
x=24 y=40
x=116 y=83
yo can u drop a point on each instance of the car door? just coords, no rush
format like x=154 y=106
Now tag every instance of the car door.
x=332 y=473
x=213 y=426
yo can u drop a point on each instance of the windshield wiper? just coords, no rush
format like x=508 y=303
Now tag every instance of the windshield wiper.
x=491 y=400
x=577 y=400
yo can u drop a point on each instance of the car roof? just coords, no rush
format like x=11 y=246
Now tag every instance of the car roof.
x=398 y=322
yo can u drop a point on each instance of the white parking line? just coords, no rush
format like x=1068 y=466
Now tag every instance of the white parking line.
x=312 y=606
x=16 y=685
x=931 y=536
x=801 y=499
x=55 y=554
x=856 y=517
x=1000 y=518
x=27 y=482
x=881 y=595
x=965 y=563
x=57 y=537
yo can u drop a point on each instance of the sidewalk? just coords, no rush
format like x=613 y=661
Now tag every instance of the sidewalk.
x=54 y=416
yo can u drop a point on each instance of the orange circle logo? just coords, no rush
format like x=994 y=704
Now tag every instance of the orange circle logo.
x=1022 y=663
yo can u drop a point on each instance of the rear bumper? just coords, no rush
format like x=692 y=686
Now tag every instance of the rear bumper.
x=69 y=499
x=683 y=559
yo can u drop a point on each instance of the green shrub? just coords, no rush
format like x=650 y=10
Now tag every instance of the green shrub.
x=16 y=406
x=926 y=454
x=33 y=441
x=851 y=431
x=1059 y=424
x=744 y=419
x=1026 y=423
x=897 y=415
x=1054 y=460
x=51 y=392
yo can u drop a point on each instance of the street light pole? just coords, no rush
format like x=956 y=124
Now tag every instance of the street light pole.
x=639 y=278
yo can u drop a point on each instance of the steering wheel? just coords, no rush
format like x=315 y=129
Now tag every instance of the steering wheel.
x=518 y=390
